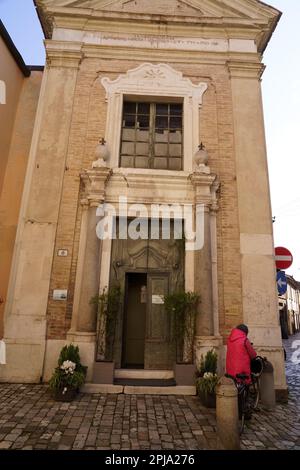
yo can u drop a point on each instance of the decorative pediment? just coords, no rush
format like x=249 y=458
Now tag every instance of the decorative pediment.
x=206 y=8
x=253 y=13
x=150 y=79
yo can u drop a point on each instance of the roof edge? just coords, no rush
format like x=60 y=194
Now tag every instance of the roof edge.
x=36 y=68
x=42 y=20
x=14 y=51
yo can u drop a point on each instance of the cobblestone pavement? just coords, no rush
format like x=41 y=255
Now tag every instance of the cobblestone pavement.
x=281 y=428
x=30 y=419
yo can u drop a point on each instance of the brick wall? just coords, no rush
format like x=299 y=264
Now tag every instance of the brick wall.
x=88 y=125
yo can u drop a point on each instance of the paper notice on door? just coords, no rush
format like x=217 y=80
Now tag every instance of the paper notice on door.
x=158 y=299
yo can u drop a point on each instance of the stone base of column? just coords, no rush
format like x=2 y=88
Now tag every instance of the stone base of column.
x=203 y=344
x=81 y=336
x=275 y=355
x=24 y=361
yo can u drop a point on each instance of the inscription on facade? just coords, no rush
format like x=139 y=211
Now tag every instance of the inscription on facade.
x=164 y=42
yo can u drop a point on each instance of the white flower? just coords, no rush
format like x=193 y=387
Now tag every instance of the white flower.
x=64 y=390
x=68 y=367
x=209 y=375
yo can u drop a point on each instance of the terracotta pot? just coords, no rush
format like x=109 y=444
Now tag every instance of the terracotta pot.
x=68 y=396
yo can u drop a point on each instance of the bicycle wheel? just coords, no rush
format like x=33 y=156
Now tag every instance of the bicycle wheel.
x=242 y=403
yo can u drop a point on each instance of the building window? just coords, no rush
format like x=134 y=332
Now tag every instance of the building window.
x=152 y=136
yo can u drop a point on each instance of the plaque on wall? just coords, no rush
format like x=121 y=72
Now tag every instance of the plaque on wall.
x=158 y=299
x=60 y=294
x=62 y=253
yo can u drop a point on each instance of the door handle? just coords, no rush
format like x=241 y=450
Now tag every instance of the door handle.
x=1 y=300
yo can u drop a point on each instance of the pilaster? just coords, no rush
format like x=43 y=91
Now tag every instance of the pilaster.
x=87 y=276
x=25 y=314
x=260 y=304
x=204 y=197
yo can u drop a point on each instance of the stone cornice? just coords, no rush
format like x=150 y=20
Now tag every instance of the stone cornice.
x=152 y=24
x=243 y=69
x=67 y=55
x=206 y=188
x=154 y=55
x=259 y=20
x=140 y=179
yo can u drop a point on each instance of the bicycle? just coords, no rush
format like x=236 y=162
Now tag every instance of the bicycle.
x=248 y=392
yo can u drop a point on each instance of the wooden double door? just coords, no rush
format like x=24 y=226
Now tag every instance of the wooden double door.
x=146 y=271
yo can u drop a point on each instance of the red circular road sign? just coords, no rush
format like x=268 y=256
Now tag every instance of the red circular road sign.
x=283 y=258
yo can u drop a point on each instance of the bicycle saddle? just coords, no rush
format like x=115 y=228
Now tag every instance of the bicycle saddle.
x=242 y=376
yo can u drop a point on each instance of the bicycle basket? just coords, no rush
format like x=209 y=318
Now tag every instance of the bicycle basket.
x=257 y=365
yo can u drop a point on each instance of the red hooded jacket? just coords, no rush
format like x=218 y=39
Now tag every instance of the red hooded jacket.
x=239 y=354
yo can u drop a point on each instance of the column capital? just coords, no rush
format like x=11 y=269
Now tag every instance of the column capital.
x=206 y=187
x=63 y=55
x=95 y=181
x=244 y=69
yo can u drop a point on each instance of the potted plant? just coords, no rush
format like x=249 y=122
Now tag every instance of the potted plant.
x=208 y=379
x=206 y=389
x=182 y=306
x=69 y=375
x=108 y=306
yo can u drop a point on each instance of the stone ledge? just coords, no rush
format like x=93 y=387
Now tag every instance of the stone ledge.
x=102 y=388
x=138 y=390
x=143 y=374
x=176 y=390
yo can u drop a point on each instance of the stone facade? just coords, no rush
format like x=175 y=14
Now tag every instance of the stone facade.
x=207 y=54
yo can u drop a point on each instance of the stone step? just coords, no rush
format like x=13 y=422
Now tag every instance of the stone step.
x=143 y=374
x=146 y=382
x=176 y=390
x=138 y=390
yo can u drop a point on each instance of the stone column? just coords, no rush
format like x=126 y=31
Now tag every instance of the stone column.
x=203 y=281
x=260 y=300
x=203 y=260
x=206 y=282
x=87 y=275
x=25 y=315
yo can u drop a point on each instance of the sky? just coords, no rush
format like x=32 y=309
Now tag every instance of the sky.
x=281 y=98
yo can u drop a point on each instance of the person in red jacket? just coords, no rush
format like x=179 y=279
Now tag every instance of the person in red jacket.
x=239 y=352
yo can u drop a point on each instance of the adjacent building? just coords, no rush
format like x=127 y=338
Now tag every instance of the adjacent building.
x=19 y=94
x=151 y=81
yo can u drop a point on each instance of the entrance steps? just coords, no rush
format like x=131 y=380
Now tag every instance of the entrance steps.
x=144 y=378
x=138 y=390
x=144 y=374
x=135 y=382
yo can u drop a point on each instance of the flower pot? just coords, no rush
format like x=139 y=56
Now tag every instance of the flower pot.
x=208 y=399
x=67 y=395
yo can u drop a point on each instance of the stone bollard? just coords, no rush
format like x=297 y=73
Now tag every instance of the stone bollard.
x=267 y=387
x=227 y=414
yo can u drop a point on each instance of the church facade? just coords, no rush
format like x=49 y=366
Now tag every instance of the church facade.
x=145 y=106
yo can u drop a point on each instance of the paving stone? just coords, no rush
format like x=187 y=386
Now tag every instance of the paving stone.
x=5 y=444
x=30 y=419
